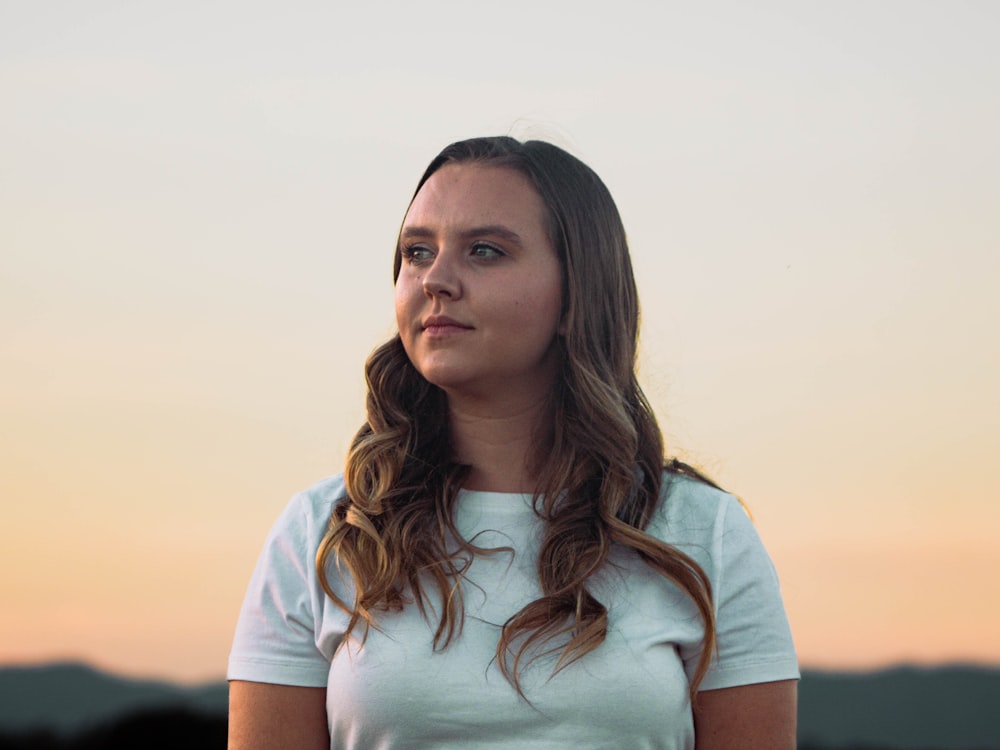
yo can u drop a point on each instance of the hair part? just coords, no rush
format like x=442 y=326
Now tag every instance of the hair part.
x=599 y=479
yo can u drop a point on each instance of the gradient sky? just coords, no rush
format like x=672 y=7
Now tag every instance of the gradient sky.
x=198 y=204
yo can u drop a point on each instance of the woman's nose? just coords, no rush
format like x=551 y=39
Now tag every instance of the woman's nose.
x=442 y=279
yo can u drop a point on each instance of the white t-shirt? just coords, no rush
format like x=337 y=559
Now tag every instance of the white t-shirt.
x=396 y=692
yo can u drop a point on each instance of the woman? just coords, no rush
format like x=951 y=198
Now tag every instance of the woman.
x=506 y=562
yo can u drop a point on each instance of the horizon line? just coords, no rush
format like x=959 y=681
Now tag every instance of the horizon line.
x=196 y=683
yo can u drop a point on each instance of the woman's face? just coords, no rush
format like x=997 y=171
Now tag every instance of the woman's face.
x=479 y=291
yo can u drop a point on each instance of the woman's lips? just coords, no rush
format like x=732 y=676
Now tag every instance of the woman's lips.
x=437 y=326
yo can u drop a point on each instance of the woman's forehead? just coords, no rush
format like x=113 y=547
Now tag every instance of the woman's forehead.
x=465 y=193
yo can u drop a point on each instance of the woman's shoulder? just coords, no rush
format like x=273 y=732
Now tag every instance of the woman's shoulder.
x=692 y=510
x=308 y=513
x=323 y=495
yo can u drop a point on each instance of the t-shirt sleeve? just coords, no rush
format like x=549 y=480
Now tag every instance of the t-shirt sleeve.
x=754 y=639
x=276 y=634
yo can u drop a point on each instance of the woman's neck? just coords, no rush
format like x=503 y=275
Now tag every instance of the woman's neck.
x=499 y=446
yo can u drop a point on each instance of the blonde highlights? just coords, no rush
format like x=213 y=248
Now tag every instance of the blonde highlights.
x=600 y=471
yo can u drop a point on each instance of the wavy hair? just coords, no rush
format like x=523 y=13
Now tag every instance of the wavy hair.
x=599 y=476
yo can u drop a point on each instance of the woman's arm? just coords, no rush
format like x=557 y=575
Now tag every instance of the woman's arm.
x=277 y=717
x=748 y=717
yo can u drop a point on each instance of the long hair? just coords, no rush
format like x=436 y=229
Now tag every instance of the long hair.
x=599 y=476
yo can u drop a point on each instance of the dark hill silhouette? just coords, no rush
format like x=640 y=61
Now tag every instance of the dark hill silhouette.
x=152 y=729
x=906 y=708
x=74 y=707
x=69 y=698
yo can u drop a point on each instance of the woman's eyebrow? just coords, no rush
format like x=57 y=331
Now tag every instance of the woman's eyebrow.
x=487 y=230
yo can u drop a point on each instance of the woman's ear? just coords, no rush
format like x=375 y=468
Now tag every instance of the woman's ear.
x=563 y=320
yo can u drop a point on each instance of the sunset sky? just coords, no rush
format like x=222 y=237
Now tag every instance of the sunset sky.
x=198 y=206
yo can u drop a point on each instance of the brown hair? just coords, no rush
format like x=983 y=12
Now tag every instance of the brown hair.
x=604 y=464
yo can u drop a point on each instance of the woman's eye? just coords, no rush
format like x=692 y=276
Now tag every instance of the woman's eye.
x=416 y=253
x=486 y=251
